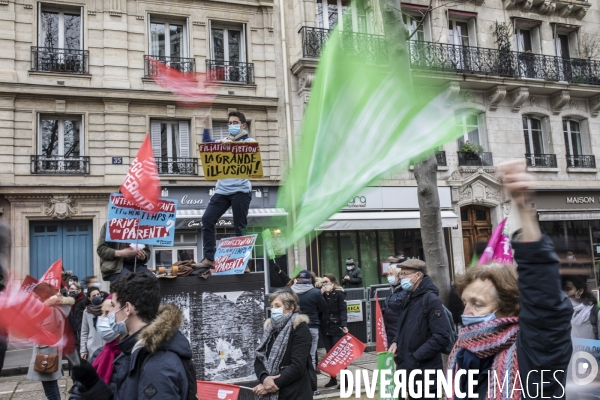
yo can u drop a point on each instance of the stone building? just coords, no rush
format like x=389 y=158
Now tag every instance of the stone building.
x=77 y=99
x=527 y=68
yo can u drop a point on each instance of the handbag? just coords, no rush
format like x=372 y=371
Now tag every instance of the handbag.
x=45 y=363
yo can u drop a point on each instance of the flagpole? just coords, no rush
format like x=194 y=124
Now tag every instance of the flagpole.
x=137 y=237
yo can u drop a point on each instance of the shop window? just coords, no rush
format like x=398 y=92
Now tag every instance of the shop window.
x=368 y=258
x=185 y=237
x=167 y=256
x=329 y=255
x=572 y=236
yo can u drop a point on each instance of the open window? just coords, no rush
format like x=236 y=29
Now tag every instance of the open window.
x=472 y=145
x=527 y=35
x=171 y=147
x=412 y=14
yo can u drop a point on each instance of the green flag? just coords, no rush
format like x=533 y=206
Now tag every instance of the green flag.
x=268 y=242
x=385 y=361
x=362 y=120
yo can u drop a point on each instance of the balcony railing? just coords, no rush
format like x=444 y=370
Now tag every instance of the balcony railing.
x=59 y=165
x=181 y=64
x=581 y=161
x=541 y=160
x=475 y=160
x=47 y=59
x=177 y=166
x=441 y=158
x=230 y=71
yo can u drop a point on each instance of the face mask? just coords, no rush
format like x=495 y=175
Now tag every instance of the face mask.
x=327 y=287
x=276 y=314
x=570 y=258
x=234 y=129
x=392 y=280
x=104 y=330
x=469 y=320
x=349 y=268
x=406 y=284
x=97 y=300
x=118 y=327
x=73 y=294
x=97 y=284
x=70 y=283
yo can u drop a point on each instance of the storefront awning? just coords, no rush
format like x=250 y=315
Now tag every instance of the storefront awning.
x=569 y=216
x=191 y=219
x=351 y=221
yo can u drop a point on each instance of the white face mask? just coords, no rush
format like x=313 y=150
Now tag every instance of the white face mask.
x=105 y=331
x=570 y=258
x=327 y=287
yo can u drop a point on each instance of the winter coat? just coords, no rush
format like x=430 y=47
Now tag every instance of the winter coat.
x=294 y=382
x=585 y=330
x=540 y=345
x=356 y=279
x=159 y=348
x=312 y=303
x=421 y=339
x=76 y=316
x=392 y=311
x=90 y=339
x=55 y=323
x=277 y=277
x=109 y=264
x=336 y=316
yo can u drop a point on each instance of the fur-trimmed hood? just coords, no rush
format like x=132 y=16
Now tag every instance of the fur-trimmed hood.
x=299 y=319
x=163 y=333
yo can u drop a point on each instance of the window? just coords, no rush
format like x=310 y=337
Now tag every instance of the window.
x=60 y=145
x=532 y=129
x=572 y=134
x=412 y=22
x=469 y=125
x=60 y=29
x=356 y=16
x=562 y=46
x=458 y=33
x=171 y=147
x=167 y=256
x=523 y=38
x=220 y=130
x=167 y=39
x=228 y=43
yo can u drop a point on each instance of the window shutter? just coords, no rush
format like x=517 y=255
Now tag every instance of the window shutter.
x=39 y=24
x=472 y=24
x=39 y=133
x=82 y=136
x=184 y=139
x=547 y=135
x=586 y=145
x=81 y=18
x=483 y=141
x=155 y=138
x=536 y=40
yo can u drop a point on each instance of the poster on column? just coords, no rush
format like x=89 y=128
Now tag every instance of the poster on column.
x=128 y=224
x=231 y=160
x=233 y=254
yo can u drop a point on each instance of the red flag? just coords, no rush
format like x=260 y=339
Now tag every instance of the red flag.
x=191 y=89
x=217 y=391
x=28 y=284
x=54 y=275
x=142 y=184
x=341 y=355
x=382 y=343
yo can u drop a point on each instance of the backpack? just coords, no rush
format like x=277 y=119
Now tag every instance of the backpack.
x=594 y=320
x=190 y=373
x=453 y=337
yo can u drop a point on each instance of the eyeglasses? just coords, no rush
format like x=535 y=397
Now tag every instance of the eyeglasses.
x=408 y=273
x=233 y=123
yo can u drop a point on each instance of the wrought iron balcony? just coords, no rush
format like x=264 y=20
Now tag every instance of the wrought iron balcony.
x=441 y=158
x=230 y=71
x=177 y=166
x=41 y=164
x=581 y=161
x=475 y=159
x=541 y=160
x=181 y=64
x=47 y=59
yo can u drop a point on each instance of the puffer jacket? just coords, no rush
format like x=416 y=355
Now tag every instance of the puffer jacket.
x=109 y=264
x=312 y=303
x=392 y=311
x=159 y=348
x=336 y=316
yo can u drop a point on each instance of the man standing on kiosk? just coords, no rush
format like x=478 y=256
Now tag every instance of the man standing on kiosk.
x=234 y=193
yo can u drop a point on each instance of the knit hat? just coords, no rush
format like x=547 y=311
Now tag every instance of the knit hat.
x=350 y=261
x=304 y=274
x=414 y=264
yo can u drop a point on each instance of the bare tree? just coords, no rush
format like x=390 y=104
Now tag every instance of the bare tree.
x=589 y=45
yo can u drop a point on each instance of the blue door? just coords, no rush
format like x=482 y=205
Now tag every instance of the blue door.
x=69 y=240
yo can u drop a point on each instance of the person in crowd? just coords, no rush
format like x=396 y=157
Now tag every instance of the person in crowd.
x=585 y=320
x=90 y=338
x=423 y=330
x=89 y=282
x=312 y=304
x=334 y=324
x=278 y=277
x=574 y=267
x=54 y=323
x=73 y=279
x=234 y=193
x=393 y=302
x=507 y=311
x=118 y=259
x=353 y=277
x=399 y=257
x=76 y=314
x=161 y=352
x=283 y=363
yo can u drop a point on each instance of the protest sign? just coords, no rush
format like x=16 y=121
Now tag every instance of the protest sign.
x=128 y=224
x=53 y=275
x=341 y=355
x=385 y=361
x=233 y=254
x=231 y=160
x=354 y=308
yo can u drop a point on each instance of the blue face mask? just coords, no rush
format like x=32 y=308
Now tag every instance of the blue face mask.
x=105 y=331
x=469 y=320
x=392 y=280
x=406 y=284
x=234 y=129
x=118 y=327
x=276 y=314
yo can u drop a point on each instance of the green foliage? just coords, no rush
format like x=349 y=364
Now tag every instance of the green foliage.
x=504 y=36
x=471 y=147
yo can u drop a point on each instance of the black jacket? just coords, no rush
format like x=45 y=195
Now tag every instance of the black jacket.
x=392 y=311
x=544 y=340
x=163 y=372
x=312 y=304
x=278 y=278
x=294 y=382
x=421 y=340
x=356 y=279
x=336 y=316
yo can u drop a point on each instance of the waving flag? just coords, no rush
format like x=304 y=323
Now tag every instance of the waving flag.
x=346 y=350
x=53 y=275
x=498 y=248
x=142 y=184
x=362 y=120
x=217 y=391
x=381 y=341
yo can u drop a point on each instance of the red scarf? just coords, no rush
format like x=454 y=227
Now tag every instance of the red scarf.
x=104 y=362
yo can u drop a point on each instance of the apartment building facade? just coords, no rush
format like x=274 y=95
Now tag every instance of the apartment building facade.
x=77 y=99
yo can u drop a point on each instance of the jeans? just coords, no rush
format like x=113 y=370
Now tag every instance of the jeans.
x=330 y=341
x=314 y=332
x=218 y=205
x=51 y=390
x=126 y=271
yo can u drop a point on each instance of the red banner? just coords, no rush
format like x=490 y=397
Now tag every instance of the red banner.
x=28 y=284
x=54 y=275
x=341 y=355
x=382 y=343
x=142 y=184
x=217 y=391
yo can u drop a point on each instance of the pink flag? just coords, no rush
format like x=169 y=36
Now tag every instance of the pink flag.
x=498 y=248
x=142 y=184
x=191 y=89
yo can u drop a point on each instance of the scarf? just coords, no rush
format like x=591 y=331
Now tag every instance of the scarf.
x=273 y=361
x=96 y=311
x=243 y=132
x=104 y=362
x=581 y=313
x=495 y=338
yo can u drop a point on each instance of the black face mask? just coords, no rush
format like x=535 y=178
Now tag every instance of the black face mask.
x=73 y=294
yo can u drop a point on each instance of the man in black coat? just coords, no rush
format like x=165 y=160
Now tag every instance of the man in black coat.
x=353 y=278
